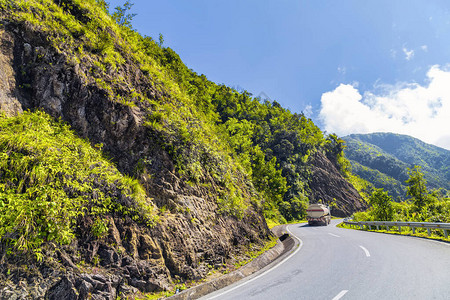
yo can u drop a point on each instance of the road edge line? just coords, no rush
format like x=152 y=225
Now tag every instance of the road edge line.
x=268 y=270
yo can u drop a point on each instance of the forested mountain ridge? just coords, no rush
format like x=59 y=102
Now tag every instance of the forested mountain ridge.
x=383 y=159
x=125 y=172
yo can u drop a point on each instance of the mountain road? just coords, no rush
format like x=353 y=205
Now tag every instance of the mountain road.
x=333 y=263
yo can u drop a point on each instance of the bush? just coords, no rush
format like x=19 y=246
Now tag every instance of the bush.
x=48 y=178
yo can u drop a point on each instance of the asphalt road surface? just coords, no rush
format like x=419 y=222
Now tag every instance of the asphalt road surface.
x=333 y=263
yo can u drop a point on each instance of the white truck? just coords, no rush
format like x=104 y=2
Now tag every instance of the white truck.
x=318 y=214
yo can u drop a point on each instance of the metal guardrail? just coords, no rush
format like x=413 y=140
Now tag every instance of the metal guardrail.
x=413 y=225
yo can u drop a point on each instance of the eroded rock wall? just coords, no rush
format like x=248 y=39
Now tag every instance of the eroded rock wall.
x=329 y=186
x=191 y=236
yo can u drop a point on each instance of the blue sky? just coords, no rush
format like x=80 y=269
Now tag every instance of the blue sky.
x=341 y=62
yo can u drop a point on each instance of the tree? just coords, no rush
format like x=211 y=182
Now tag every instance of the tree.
x=381 y=204
x=104 y=5
x=161 y=40
x=417 y=187
x=122 y=16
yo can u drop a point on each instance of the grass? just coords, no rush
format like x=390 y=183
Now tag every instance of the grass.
x=406 y=231
x=252 y=254
x=49 y=178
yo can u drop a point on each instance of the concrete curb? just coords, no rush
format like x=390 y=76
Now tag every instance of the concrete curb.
x=274 y=255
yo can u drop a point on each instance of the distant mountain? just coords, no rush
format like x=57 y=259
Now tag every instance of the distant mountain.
x=383 y=159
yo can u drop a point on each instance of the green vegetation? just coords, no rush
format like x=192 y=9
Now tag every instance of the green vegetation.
x=419 y=232
x=252 y=253
x=381 y=204
x=423 y=206
x=210 y=130
x=50 y=178
x=383 y=158
x=417 y=188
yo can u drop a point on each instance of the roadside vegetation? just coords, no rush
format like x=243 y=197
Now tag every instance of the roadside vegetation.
x=422 y=205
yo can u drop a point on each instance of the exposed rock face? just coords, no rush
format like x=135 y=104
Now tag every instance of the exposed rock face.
x=328 y=185
x=8 y=101
x=189 y=238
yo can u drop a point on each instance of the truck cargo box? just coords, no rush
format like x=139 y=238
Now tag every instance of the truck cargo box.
x=318 y=214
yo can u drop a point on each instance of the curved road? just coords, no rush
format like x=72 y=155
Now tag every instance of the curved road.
x=334 y=263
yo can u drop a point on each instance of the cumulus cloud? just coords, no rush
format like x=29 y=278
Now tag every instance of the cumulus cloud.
x=421 y=111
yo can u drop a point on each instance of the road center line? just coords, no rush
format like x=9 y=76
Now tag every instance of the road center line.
x=365 y=251
x=333 y=234
x=340 y=295
x=268 y=270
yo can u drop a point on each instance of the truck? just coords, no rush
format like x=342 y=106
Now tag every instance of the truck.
x=318 y=214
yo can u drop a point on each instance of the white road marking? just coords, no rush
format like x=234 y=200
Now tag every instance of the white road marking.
x=334 y=234
x=340 y=295
x=365 y=251
x=267 y=271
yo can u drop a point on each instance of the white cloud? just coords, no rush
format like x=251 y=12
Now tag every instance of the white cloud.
x=424 y=48
x=419 y=111
x=409 y=54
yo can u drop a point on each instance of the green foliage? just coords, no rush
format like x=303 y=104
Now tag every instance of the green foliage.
x=49 y=178
x=334 y=147
x=103 y=5
x=425 y=206
x=381 y=204
x=377 y=179
x=362 y=216
x=417 y=188
x=253 y=151
x=122 y=16
x=383 y=159
x=161 y=40
x=100 y=227
x=295 y=209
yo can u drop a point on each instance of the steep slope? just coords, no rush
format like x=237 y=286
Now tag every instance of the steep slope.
x=151 y=133
x=204 y=171
x=383 y=159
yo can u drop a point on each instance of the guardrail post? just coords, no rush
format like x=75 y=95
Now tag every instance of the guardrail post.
x=387 y=227
x=399 y=228
x=378 y=227
x=445 y=233
x=429 y=231
x=361 y=226
x=414 y=230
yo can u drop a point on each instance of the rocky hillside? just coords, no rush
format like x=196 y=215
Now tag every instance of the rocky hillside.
x=124 y=172
x=383 y=159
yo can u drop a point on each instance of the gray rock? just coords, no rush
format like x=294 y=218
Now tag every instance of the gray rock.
x=27 y=49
